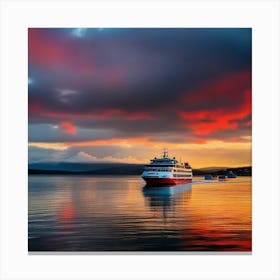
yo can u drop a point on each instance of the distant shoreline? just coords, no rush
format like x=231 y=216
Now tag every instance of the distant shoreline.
x=121 y=169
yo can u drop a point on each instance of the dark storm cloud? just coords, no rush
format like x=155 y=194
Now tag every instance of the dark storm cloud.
x=140 y=81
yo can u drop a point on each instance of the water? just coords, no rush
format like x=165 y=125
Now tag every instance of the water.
x=87 y=213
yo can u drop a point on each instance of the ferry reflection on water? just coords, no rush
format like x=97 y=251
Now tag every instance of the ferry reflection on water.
x=164 y=198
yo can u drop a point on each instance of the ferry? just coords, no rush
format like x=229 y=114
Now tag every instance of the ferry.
x=167 y=171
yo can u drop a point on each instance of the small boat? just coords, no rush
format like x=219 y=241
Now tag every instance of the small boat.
x=167 y=171
x=222 y=177
x=208 y=177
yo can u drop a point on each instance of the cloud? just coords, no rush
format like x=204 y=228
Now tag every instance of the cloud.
x=36 y=154
x=67 y=127
x=221 y=105
x=81 y=157
x=66 y=91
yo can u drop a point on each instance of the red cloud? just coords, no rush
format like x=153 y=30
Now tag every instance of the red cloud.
x=37 y=109
x=41 y=49
x=228 y=91
x=233 y=103
x=67 y=127
x=48 y=51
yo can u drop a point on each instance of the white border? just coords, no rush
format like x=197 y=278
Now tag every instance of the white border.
x=17 y=16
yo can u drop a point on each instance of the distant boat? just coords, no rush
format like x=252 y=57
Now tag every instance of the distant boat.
x=231 y=175
x=222 y=177
x=208 y=177
x=167 y=171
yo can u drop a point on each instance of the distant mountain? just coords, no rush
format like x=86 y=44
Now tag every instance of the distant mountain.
x=75 y=168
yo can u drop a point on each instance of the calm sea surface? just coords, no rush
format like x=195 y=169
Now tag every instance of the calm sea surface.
x=117 y=213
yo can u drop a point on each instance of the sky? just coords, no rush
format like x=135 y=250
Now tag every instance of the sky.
x=124 y=94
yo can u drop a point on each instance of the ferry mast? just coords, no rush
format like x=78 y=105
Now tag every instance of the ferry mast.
x=165 y=153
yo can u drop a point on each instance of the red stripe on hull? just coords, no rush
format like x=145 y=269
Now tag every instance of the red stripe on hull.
x=166 y=181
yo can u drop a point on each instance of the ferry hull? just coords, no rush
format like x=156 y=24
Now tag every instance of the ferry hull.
x=166 y=181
